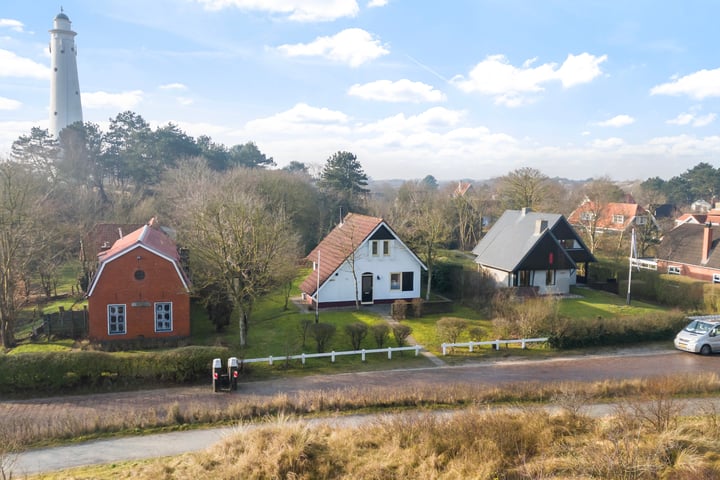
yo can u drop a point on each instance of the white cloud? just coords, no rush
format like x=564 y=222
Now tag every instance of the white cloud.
x=608 y=143
x=120 y=101
x=296 y=10
x=185 y=101
x=579 y=69
x=173 y=86
x=692 y=119
x=377 y=3
x=400 y=91
x=699 y=85
x=433 y=118
x=510 y=85
x=9 y=104
x=617 y=121
x=302 y=118
x=13 y=66
x=14 y=25
x=353 y=46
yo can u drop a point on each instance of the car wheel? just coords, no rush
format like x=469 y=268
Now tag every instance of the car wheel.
x=705 y=350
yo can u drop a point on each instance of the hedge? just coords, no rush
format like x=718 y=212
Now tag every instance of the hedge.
x=64 y=372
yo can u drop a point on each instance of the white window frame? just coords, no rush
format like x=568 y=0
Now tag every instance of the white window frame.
x=617 y=218
x=674 y=270
x=641 y=220
x=117 y=315
x=162 y=316
x=397 y=286
x=374 y=248
x=386 y=248
x=716 y=277
x=586 y=216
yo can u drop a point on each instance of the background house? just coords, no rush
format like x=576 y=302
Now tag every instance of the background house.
x=611 y=217
x=364 y=255
x=691 y=251
x=532 y=249
x=140 y=289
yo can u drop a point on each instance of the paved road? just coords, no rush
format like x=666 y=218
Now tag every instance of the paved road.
x=621 y=365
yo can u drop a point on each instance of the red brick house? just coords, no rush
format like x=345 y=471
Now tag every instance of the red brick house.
x=691 y=251
x=140 y=289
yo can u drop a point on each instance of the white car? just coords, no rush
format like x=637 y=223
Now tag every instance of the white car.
x=701 y=335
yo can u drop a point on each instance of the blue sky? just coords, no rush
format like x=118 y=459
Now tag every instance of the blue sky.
x=455 y=89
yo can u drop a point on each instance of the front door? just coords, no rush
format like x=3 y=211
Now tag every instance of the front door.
x=367 y=288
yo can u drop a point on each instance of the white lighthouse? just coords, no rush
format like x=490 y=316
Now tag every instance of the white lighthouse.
x=65 y=107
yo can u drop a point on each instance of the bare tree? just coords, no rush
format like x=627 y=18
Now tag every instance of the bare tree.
x=21 y=206
x=422 y=215
x=524 y=187
x=236 y=241
x=598 y=194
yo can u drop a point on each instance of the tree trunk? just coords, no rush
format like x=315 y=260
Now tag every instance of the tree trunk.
x=243 y=324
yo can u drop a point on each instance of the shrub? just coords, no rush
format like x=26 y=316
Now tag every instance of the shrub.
x=578 y=333
x=398 y=309
x=55 y=372
x=381 y=334
x=357 y=331
x=449 y=329
x=401 y=333
x=322 y=333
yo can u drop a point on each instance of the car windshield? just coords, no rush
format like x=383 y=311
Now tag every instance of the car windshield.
x=699 y=326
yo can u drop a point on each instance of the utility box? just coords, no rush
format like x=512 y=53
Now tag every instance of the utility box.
x=225 y=380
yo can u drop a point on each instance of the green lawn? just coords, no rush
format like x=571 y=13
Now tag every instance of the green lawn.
x=596 y=303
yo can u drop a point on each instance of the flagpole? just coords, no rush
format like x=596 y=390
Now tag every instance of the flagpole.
x=630 y=264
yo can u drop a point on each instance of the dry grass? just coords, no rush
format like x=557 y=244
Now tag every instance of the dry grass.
x=652 y=404
x=475 y=443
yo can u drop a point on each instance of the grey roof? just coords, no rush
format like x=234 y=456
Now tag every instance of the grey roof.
x=684 y=244
x=512 y=237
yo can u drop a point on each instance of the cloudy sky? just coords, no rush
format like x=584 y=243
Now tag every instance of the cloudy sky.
x=455 y=89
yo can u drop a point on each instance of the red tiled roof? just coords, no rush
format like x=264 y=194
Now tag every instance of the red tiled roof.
x=337 y=246
x=628 y=210
x=103 y=235
x=149 y=236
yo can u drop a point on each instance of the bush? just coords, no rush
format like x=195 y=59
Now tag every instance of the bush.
x=357 y=331
x=401 y=333
x=449 y=329
x=322 y=333
x=578 y=333
x=398 y=309
x=63 y=372
x=381 y=334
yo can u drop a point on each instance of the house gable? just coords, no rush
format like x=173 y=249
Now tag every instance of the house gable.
x=140 y=290
x=362 y=245
x=547 y=253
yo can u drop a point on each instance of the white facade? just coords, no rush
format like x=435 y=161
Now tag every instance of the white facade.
x=382 y=268
x=65 y=106
x=554 y=284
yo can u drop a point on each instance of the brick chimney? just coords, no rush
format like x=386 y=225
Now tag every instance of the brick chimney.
x=707 y=242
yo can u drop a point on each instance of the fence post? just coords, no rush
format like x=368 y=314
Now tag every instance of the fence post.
x=303 y=358
x=332 y=356
x=523 y=344
x=389 y=353
x=417 y=350
x=363 y=354
x=270 y=359
x=471 y=346
x=444 y=349
x=497 y=344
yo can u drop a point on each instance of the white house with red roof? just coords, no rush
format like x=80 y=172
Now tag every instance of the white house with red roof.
x=362 y=258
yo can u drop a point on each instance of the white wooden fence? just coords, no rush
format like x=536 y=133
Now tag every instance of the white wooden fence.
x=496 y=343
x=332 y=355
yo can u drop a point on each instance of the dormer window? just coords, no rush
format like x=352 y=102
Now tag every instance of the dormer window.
x=618 y=219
